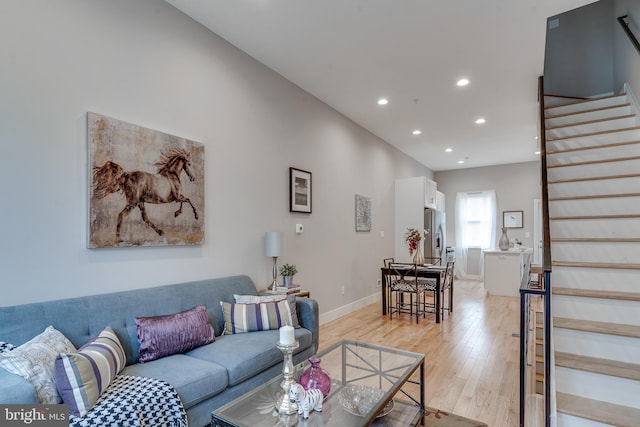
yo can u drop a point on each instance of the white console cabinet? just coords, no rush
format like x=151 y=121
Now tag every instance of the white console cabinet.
x=503 y=271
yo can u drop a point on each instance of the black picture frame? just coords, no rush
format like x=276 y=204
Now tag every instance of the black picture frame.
x=299 y=190
x=512 y=219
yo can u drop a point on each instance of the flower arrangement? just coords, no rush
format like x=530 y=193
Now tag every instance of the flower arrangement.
x=412 y=236
x=288 y=270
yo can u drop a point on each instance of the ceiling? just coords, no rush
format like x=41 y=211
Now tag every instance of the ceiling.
x=349 y=53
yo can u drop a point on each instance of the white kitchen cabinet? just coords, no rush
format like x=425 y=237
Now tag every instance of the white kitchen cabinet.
x=504 y=270
x=440 y=201
x=431 y=194
x=412 y=196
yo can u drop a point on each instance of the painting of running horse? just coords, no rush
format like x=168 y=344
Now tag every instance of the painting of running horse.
x=140 y=181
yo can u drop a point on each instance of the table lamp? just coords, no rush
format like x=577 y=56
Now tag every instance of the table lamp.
x=274 y=247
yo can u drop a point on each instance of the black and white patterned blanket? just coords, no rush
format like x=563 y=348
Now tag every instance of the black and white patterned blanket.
x=135 y=402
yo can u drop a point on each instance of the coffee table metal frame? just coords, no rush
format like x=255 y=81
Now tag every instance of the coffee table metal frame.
x=348 y=362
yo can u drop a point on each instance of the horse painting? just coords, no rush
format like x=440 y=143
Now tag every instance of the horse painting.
x=141 y=187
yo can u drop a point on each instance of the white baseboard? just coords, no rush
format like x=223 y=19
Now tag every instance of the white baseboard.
x=349 y=308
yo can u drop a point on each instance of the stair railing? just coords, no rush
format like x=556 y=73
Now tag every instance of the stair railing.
x=628 y=32
x=544 y=289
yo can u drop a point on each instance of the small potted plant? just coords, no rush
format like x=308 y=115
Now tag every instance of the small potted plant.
x=287 y=271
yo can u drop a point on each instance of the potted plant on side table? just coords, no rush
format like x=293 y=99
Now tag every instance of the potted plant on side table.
x=287 y=271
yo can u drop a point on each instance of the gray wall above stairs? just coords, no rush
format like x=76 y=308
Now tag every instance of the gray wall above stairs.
x=579 y=51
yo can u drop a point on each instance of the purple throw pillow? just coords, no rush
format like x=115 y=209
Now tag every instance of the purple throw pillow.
x=162 y=336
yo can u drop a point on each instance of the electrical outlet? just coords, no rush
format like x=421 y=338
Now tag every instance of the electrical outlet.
x=342 y=290
x=379 y=282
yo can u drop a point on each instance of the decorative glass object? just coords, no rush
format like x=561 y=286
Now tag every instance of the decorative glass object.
x=315 y=377
x=359 y=399
x=503 y=243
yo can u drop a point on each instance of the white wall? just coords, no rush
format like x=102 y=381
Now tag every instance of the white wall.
x=516 y=186
x=146 y=63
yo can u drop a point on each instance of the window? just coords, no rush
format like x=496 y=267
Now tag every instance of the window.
x=475 y=218
x=477 y=211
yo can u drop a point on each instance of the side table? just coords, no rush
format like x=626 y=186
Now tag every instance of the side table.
x=300 y=293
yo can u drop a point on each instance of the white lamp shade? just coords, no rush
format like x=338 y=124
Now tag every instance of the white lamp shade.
x=274 y=243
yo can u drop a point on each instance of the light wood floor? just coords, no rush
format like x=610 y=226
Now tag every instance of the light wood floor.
x=472 y=359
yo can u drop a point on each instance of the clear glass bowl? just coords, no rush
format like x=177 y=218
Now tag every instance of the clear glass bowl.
x=359 y=399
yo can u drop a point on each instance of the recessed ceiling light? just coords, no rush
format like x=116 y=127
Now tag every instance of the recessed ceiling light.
x=463 y=82
x=536 y=153
x=460 y=162
x=417 y=132
x=448 y=150
x=480 y=121
x=383 y=101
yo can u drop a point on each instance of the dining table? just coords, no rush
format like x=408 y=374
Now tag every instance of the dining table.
x=436 y=272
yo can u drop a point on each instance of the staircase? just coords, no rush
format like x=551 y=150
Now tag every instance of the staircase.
x=593 y=166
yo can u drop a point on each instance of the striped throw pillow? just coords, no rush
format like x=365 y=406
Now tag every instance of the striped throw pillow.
x=81 y=377
x=241 y=318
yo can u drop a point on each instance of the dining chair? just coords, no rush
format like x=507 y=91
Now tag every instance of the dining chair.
x=433 y=260
x=403 y=279
x=447 y=283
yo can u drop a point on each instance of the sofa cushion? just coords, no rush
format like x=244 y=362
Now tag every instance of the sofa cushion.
x=34 y=361
x=194 y=379
x=252 y=299
x=81 y=377
x=161 y=336
x=258 y=350
x=241 y=318
x=16 y=390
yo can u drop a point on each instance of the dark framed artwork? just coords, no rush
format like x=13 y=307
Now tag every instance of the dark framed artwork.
x=512 y=219
x=146 y=187
x=299 y=190
x=363 y=213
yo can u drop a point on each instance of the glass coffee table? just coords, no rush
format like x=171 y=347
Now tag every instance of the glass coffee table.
x=365 y=369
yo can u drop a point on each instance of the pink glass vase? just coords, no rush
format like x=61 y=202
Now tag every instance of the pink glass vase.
x=315 y=377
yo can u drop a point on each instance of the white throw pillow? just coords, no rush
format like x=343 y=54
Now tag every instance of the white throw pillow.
x=35 y=359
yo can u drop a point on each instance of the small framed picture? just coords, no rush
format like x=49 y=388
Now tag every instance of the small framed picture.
x=512 y=219
x=299 y=190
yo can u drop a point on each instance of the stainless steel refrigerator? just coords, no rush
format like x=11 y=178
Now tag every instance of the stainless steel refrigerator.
x=434 y=241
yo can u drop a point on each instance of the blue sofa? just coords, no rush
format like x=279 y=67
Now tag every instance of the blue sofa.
x=205 y=378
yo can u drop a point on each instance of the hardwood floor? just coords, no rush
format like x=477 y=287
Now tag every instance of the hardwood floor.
x=471 y=365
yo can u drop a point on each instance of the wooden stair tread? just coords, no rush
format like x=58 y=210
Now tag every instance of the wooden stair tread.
x=617 y=329
x=593 y=162
x=594 y=196
x=597 y=239
x=587 y=122
x=592 y=110
x=612 y=265
x=590 y=293
x=584 y=135
x=581 y=100
x=594 y=178
x=592 y=147
x=579 y=217
x=597 y=365
x=596 y=410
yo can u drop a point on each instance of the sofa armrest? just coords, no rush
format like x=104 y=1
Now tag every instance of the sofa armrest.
x=16 y=390
x=309 y=317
